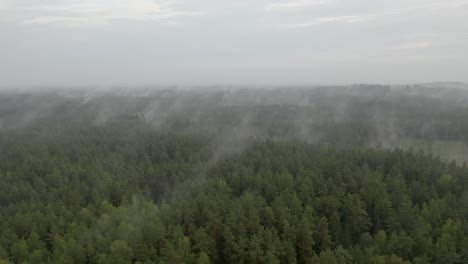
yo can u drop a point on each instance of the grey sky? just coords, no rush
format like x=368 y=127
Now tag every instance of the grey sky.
x=201 y=42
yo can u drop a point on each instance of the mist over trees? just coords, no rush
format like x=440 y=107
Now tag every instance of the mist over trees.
x=384 y=112
x=359 y=174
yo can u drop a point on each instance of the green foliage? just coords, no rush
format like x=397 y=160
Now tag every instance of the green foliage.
x=104 y=197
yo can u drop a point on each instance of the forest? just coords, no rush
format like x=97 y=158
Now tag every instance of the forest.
x=339 y=175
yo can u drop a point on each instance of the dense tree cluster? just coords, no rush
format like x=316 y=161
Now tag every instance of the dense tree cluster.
x=234 y=176
x=108 y=195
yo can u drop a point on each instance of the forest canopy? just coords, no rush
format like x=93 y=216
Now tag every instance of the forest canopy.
x=331 y=175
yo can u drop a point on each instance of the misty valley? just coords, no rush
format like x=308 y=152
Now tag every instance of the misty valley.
x=327 y=174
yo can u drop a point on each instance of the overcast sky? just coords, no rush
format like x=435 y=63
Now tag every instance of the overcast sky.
x=205 y=42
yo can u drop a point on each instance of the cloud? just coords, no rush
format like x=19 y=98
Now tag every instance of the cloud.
x=413 y=45
x=448 y=4
x=293 y=4
x=79 y=12
x=331 y=19
x=396 y=9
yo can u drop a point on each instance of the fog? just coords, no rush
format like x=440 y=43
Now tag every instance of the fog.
x=216 y=131
x=237 y=71
x=374 y=115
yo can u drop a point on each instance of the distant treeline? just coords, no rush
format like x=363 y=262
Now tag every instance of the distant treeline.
x=364 y=114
